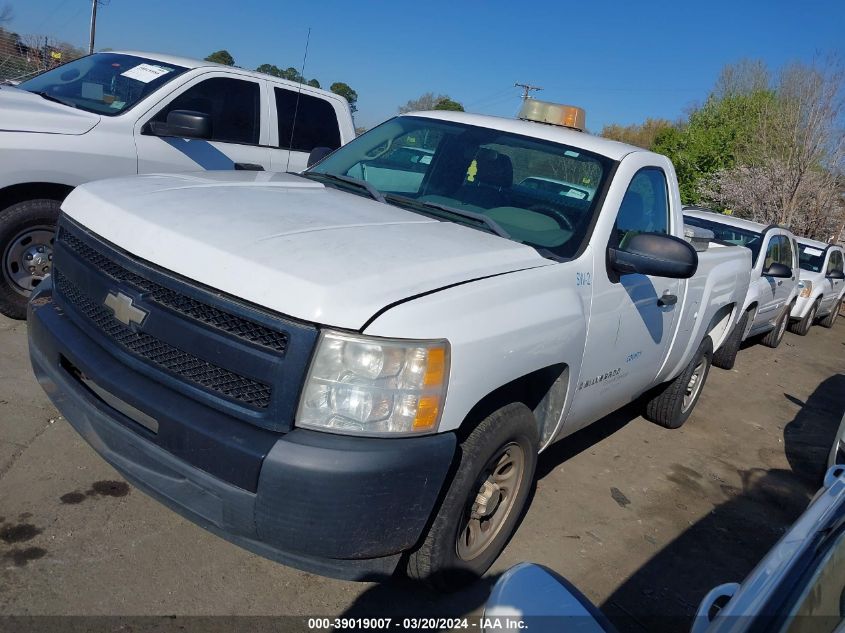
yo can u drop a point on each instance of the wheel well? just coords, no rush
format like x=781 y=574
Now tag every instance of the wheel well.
x=31 y=191
x=543 y=391
x=719 y=327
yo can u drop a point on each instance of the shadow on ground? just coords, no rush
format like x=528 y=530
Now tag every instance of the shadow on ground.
x=726 y=545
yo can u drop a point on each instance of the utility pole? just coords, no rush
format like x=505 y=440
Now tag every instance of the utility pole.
x=526 y=88
x=93 y=25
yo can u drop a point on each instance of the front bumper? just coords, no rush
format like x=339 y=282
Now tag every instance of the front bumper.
x=338 y=506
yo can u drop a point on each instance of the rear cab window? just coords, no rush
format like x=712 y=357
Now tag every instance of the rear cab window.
x=305 y=121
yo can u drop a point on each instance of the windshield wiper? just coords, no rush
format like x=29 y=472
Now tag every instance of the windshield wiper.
x=49 y=97
x=489 y=223
x=374 y=193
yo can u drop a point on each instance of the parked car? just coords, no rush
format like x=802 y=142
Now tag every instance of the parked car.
x=116 y=114
x=799 y=585
x=348 y=379
x=774 y=278
x=822 y=285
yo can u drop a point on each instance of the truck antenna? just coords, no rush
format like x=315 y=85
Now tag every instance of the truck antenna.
x=298 y=93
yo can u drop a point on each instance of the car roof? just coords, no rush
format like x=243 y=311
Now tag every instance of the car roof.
x=555 y=133
x=190 y=64
x=806 y=241
x=730 y=220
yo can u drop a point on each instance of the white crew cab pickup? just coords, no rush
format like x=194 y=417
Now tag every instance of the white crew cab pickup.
x=774 y=278
x=350 y=379
x=117 y=114
x=821 y=286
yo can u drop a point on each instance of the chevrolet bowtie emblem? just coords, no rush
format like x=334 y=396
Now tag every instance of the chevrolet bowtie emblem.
x=124 y=309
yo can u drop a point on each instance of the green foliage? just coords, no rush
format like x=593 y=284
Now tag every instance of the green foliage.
x=445 y=103
x=717 y=136
x=639 y=135
x=342 y=89
x=221 y=57
x=313 y=83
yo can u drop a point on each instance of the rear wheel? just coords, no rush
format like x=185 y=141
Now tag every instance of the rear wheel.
x=27 y=230
x=672 y=403
x=830 y=319
x=775 y=336
x=725 y=357
x=484 y=501
x=802 y=326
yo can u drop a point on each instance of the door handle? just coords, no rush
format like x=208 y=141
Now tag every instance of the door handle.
x=248 y=167
x=668 y=299
x=780 y=282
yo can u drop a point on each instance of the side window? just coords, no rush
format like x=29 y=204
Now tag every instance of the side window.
x=234 y=106
x=834 y=262
x=772 y=252
x=645 y=206
x=316 y=121
x=786 y=252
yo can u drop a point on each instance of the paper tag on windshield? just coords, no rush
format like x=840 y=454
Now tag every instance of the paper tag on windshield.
x=145 y=72
x=812 y=251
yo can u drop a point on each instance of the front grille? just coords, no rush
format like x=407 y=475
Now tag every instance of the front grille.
x=164 y=356
x=231 y=324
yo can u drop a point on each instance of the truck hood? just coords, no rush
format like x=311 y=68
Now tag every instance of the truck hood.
x=23 y=111
x=290 y=244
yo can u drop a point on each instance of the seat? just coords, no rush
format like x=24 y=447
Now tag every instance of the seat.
x=494 y=175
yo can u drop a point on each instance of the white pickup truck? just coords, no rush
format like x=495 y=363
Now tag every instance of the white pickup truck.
x=117 y=114
x=351 y=380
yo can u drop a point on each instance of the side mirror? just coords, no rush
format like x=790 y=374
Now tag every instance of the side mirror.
x=184 y=123
x=529 y=594
x=778 y=270
x=836 y=274
x=317 y=154
x=655 y=254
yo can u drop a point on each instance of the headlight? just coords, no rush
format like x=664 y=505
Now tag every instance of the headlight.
x=806 y=288
x=365 y=385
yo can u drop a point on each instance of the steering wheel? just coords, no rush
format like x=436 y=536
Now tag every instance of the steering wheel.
x=557 y=215
x=377 y=152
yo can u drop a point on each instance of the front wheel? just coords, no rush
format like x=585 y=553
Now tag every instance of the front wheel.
x=830 y=319
x=775 y=336
x=27 y=230
x=802 y=326
x=672 y=403
x=484 y=502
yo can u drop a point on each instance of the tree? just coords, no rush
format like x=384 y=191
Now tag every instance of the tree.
x=221 y=57
x=269 y=69
x=428 y=101
x=347 y=93
x=313 y=83
x=640 y=135
x=445 y=103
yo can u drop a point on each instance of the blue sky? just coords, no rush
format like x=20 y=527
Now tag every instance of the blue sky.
x=622 y=61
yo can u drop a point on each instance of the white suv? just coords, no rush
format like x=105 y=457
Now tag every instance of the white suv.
x=119 y=114
x=821 y=286
x=774 y=277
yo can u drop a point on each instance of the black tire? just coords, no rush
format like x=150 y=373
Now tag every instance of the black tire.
x=830 y=319
x=725 y=356
x=16 y=222
x=802 y=326
x=437 y=561
x=775 y=335
x=666 y=405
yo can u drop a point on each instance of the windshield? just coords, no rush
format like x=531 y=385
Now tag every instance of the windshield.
x=730 y=234
x=487 y=177
x=810 y=258
x=105 y=83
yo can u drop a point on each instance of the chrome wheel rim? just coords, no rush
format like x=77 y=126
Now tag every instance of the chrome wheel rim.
x=28 y=258
x=782 y=326
x=493 y=501
x=694 y=385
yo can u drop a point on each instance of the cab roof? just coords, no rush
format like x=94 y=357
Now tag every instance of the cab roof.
x=557 y=134
x=730 y=220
